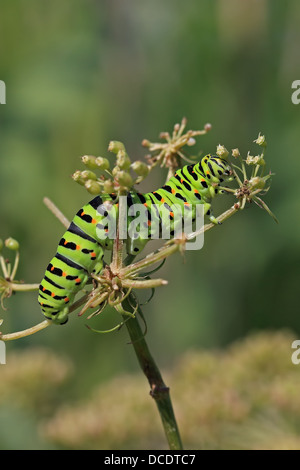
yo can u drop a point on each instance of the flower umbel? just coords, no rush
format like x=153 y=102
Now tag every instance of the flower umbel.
x=252 y=184
x=170 y=153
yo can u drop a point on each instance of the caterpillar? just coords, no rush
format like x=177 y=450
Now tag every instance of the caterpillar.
x=81 y=249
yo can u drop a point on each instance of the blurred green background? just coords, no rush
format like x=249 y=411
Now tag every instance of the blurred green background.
x=80 y=73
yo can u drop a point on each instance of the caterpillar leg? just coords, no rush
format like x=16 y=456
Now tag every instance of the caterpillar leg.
x=224 y=191
x=98 y=267
x=58 y=318
x=209 y=214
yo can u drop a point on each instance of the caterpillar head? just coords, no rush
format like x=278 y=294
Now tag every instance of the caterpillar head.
x=57 y=317
x=216 y=169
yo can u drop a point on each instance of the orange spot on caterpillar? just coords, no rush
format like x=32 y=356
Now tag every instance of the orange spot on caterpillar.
x=94 y=221
x=186 y=203
x=173 y=191
x=77 y=247
x=162 y=200
x=171 y=214
x=181 y=181
x=44 y=288
x=93 y=254
x=82 y=213
x=145 y=204
x=66 y=299
x=52 y=294
x=64 y=274
x=52 y=269
x=196 y=191
x=149 y=223
x=65 y=242
x=78 y=280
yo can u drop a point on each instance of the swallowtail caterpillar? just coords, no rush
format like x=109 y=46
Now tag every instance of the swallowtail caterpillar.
x=81 y=249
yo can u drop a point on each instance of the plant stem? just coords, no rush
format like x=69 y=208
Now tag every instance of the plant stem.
x=54 y=209
x=28 y=332
x=159 y=391
x=23 y=287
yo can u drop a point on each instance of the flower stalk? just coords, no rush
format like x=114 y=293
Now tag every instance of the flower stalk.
x=158 y=389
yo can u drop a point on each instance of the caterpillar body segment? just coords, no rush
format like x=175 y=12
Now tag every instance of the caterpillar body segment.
x=81 y=249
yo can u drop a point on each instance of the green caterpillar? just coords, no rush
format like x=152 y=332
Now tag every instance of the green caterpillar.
x=81 y=249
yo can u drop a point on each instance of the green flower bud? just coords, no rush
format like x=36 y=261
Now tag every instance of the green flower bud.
x=124 y=179
x=12 y=244
x=88 y=175
x=140 y=168
x=78 y=178
x=102 y=163
x=114 y=146
x=93 y=187
x=260 y=160
x=115 y=170
x=108 y=186
x=257 y=183
x=89 y=161
x=1 y=244
x=123 y=161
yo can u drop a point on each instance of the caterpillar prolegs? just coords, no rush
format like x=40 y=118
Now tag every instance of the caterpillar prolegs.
x=81 y=249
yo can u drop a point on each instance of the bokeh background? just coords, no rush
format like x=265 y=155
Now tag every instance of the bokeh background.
x=80 y=73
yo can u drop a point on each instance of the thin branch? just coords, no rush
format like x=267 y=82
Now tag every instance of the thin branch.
x=23 y=287
x=58 y=214
x=24 y=333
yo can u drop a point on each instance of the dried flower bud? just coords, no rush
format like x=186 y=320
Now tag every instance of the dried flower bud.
x=191 y=141
x=235 y=153
x=146 y=143
x=115 y=170
x=89 y=161
x=207 y=127
x=12 y=244
x=102 y=163
x=93 y=187
x=114 y=146
x=257 y=160
x=140 y=168
x=261 y=140
x=222 y=151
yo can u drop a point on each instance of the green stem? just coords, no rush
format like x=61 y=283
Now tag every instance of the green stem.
x=24 y=333
x=158 y=390
x=23 y=287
